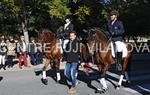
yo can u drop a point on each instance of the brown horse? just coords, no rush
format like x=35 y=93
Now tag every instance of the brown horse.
x=99 y=45
x=51 y=47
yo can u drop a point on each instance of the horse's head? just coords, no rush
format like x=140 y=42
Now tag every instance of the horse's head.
x=91 y=39
x=96 y=37
x=92 y=36
x=45 y=35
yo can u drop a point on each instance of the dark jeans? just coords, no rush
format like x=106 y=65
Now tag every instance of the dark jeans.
x=33 y=58
x=10 y=60
x=39 y=58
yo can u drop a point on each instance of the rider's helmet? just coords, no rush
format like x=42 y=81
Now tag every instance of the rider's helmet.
x=114 y=12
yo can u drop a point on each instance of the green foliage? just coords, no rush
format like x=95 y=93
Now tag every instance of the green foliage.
x=75 y=1
x=50 y=13
x=34 y=13
x=82 y=12
x=57 y=8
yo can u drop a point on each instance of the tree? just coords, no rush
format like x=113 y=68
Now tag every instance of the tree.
x=16 y=15
x=57 y=8
x=134 y=13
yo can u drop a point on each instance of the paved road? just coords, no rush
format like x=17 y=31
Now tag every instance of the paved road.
x=26 y=82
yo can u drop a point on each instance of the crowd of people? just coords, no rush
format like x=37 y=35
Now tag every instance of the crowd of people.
x=11 y=49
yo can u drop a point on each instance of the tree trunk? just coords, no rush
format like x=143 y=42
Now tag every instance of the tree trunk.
x=25 y=32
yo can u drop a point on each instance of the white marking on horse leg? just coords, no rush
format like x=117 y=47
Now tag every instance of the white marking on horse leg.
x=58 y=76
x=103 y=82
x=126 y=76
x=100 y=86
x=120 y=80
x=44 y=74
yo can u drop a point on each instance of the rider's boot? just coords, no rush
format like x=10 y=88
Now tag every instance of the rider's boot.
x=119 y=61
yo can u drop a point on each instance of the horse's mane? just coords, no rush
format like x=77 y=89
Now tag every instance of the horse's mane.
x=100 y=33
x=101 y=36
x=48 y=36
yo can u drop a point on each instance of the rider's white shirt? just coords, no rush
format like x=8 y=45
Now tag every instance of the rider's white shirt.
x=66 y=25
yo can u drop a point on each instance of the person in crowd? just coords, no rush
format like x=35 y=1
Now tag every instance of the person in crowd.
x=39 y=57
x=32 y=51
x=22 y=49
x=3 y=52
x=11 y=45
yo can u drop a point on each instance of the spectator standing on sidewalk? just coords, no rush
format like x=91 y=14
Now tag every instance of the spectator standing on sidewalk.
x=3 y=52
x=32 y=51
x=11 y=45
x=21 y=49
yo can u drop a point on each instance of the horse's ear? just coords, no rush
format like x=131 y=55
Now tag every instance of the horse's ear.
x=36 y=30
x=39 y=31
x=85 y=30
x=93 y=31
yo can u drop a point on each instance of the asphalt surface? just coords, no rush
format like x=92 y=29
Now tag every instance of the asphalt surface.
x=27 y=81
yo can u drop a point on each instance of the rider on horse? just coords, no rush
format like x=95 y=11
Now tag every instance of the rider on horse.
x=68 y=27
x=116 y=30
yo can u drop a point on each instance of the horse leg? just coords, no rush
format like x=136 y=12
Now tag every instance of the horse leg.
x=103 y=86
x=126 y=77
x=124 y=66
x=57 y=65
x=44 y=79
x=126 y=61
x=120 y=81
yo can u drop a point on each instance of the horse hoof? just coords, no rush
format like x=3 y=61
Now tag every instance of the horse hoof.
x=100 y=91
x=57 y=81
x=105 y=89
x=118 y=87
x=128 y=82
x=44 y=81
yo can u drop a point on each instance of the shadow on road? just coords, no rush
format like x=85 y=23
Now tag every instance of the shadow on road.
x=83 y=77
x=1 y=78
x=50 y=73
x=88 y=78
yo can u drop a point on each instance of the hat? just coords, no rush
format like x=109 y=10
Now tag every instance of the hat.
x=73 y=31
x=114 y=12
x=68 y=17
